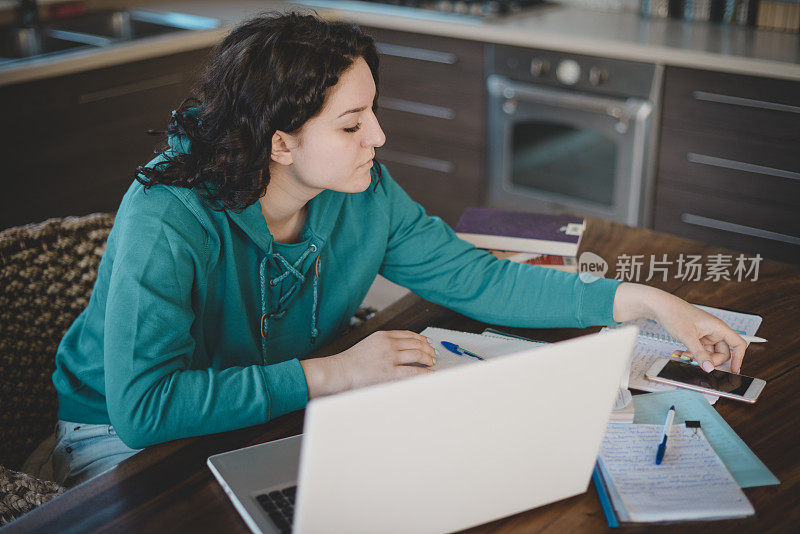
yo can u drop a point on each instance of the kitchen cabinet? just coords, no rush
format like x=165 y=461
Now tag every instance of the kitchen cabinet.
x=729 y=164
x=431 y=106
x=73 y=142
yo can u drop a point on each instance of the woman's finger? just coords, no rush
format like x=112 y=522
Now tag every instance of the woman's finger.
x=722 y=348
x=406 y=334
x=407 y=343
x=737 y=347
x=405 y=357
x=404 y=371
x=720 y=357
x=700 y=354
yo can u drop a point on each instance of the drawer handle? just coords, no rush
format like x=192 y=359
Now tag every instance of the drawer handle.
x=418 y=108
x=414 y=160
x=702 y=159
x=138 y=87
x=422 y=54
x=747 y=102
x=698 y=220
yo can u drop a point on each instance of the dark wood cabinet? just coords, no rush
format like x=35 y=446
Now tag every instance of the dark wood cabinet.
x=729 y=164
x=432 y=109
x=72 y=143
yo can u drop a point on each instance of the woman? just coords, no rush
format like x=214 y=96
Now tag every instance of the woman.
x=253 y=238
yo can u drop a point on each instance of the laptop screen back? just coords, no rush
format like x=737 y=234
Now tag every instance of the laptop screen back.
x=461 y=447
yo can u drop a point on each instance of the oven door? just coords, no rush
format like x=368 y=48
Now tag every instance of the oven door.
x=553 y=150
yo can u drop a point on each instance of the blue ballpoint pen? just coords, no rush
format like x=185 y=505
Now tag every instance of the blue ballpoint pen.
x=662 y=448
x=461 y=351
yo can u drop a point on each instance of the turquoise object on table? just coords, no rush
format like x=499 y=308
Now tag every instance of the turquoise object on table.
x=742 y=462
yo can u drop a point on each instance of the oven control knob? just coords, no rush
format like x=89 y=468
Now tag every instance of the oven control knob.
x=568 y=72
x=539 y=67
x=597 y=76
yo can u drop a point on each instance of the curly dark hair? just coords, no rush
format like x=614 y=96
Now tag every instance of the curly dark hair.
x=270 y=73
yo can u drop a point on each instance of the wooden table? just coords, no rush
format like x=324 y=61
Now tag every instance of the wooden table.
x=169 y=488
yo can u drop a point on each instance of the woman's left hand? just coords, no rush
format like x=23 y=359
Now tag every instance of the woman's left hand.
x=710 y=341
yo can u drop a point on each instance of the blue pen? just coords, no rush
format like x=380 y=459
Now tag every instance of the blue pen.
x=662 y=448
x=461 y=351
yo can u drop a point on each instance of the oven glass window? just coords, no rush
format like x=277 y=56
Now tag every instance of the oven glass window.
x=559 y=158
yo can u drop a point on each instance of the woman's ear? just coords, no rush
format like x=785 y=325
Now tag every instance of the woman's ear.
x=282 y=145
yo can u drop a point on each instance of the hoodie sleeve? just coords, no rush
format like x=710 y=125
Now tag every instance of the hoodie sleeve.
x=425 y=255
x=152 y=392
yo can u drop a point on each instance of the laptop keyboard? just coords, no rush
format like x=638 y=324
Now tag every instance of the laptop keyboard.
x=279 y=505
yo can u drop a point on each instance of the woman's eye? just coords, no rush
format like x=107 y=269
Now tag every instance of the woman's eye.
x=353 y=129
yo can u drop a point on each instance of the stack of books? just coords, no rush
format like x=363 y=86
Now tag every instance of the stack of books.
x=545 y=239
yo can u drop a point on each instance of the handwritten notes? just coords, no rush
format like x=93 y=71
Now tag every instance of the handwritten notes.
x=691 y=483
x=745 y=466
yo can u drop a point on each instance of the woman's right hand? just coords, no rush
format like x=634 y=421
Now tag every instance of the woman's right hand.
x=382 y=356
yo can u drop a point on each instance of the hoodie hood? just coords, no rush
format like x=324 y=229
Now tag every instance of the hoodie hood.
x=279 y=278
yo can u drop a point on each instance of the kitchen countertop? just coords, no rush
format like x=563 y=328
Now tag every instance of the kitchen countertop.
x=557 y=27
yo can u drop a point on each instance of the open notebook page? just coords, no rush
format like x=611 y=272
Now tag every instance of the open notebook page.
x=490 y=345
x=691 y=483
x=486 y=346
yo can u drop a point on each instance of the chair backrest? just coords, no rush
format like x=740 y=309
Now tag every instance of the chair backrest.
x=47 y=271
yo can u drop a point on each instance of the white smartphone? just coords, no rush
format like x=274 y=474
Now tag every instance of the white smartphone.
x=720 y=383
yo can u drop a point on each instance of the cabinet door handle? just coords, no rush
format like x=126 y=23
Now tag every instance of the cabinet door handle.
x=702 y=159
x=698 y=220
x=137 y=87
x=415 y=160
x=746 y=102
x=616 y=108
x=418 y=108
x=421 y=54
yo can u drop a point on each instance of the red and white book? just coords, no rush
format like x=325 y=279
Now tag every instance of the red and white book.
x=562 y=263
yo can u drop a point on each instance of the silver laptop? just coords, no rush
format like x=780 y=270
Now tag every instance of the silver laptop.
x=437 y=453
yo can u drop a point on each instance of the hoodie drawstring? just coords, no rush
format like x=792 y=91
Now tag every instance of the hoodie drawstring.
x=314 y=331
x=284 y=300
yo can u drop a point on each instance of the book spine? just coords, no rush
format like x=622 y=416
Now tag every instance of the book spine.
x=782 y=15
x=605 y=500
x=728 y=11
x=717 y=9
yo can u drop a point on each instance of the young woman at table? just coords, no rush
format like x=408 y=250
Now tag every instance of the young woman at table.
x=253 y=238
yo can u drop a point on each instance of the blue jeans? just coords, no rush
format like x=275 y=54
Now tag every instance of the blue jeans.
x=83 y=451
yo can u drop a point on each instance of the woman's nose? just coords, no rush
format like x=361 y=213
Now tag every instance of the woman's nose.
x=375 y=136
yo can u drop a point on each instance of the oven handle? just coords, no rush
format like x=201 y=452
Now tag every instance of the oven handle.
x=622 y=110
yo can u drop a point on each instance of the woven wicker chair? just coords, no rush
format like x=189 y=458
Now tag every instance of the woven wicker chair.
x=47 y=271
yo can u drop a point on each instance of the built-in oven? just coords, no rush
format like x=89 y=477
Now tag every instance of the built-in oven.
x=572 y=133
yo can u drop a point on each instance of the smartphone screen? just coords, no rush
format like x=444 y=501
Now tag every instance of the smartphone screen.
x=718 y=380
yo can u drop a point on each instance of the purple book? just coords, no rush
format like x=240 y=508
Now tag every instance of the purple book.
x=542 y=233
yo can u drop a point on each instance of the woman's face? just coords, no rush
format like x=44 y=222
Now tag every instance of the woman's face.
x=334 y=149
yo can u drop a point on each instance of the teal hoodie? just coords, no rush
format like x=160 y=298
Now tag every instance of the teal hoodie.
x=198 y=319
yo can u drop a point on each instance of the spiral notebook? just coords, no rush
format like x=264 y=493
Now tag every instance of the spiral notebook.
x=654 y=342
